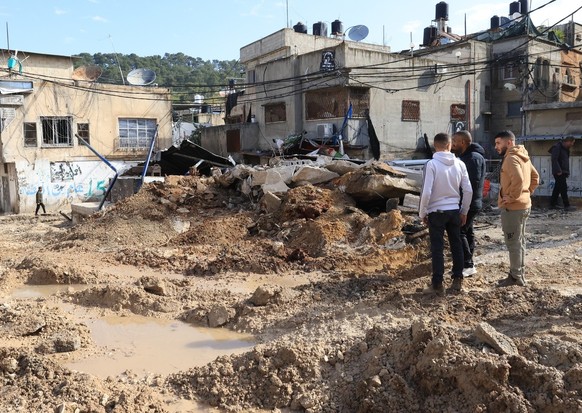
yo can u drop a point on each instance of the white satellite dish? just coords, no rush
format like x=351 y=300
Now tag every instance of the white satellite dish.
x=141 y=77
x=358 y=32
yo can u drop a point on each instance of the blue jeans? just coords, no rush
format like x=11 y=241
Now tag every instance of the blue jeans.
x=438 y=223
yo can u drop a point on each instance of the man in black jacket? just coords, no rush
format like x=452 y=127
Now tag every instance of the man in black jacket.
x=561 y=170
x=472 y=155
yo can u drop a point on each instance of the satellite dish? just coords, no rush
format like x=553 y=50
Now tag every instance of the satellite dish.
x=89 y=73
x=358 y=32
x=141 y=77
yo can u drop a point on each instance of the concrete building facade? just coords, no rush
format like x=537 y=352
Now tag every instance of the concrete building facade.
x=44 y=107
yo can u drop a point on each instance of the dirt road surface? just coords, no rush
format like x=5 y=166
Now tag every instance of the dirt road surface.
x=187 y=298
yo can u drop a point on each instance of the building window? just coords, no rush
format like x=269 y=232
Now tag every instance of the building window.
x=334 y=102
x=30 y=134
x=251 y=77
x=83 y=131
x=136 y=133
x=275 y=112
x=514 y=109
x=57 y=131
x=487 y=93
x=537 y=74
x=510 y=71
x=545 y=74
x=410 y=110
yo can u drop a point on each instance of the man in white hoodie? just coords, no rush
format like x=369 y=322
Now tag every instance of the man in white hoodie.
x=443 y=209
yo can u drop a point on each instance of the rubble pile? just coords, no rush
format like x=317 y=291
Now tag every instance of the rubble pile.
x=323 y=268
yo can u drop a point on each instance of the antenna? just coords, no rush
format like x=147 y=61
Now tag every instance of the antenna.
x=117 y=60
x=7 y=38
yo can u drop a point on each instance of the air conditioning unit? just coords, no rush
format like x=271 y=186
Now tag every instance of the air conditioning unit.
x=325 y=130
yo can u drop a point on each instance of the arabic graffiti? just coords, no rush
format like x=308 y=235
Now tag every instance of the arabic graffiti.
x=64 y=171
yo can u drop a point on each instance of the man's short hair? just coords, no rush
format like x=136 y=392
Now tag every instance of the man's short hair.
x=441 y=140
x=569 y=139
x=465 y=136
x=506 y=135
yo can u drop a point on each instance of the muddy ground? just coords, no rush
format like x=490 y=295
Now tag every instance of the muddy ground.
x=329 y=292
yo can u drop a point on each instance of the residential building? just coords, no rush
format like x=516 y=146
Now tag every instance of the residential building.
x=45 y=104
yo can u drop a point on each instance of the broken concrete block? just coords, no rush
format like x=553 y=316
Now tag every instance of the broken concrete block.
x=500 y=342
x=341 y=167
x=270 y=202
x=267 y=176
x=365 y=185
x=276 y=188
x=314 y=175
x=66 y=342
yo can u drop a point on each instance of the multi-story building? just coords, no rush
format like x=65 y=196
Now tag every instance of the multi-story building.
x=45 y=104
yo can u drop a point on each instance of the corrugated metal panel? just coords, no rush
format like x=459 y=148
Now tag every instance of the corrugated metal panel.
x=543 y=164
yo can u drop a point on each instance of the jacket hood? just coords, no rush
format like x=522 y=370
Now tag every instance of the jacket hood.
x=519 y=151
x=448 y=158
x=475 y=147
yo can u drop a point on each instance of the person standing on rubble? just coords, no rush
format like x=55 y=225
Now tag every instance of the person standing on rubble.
x=560 y=153
x=444 y=178
x=472 y=155
x=517 y=181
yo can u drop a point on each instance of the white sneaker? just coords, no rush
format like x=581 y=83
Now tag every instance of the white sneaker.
x=467 y=272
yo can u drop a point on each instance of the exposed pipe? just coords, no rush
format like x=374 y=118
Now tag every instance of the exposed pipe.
x=148 y=158
x=468 y=113
x=81 y=140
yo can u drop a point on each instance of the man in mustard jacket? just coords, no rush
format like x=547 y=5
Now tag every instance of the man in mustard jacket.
x=517 y=182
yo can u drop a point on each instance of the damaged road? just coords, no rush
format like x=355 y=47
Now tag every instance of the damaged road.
x=327 y=291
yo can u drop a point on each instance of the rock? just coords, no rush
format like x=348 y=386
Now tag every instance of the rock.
x=270 y=202
x=155 y=286
x=66 y=342
x=218 y=316
x=313 y=175
x=9 y=365
x=392 y=204
x=265 y=294
x=375 y=381
x=276 y=188
x=500 y=342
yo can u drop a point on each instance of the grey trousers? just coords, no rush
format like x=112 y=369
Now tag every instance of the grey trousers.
x=513 y=226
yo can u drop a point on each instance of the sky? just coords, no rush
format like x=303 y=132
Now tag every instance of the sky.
x=218 y=29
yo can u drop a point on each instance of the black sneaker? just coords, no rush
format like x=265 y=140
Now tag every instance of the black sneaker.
x=457 y=285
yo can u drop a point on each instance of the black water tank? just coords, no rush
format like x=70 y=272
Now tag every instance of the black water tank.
x=337 y=27
x=430 y=34
x=495 y=20
x=320 y=29
x=524 y=6
x=300 y=28
x=514 y=7
x=442 y=11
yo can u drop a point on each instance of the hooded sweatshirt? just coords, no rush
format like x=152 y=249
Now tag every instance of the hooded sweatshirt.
x=518 y=179
x=444 y=178
x=474 y=160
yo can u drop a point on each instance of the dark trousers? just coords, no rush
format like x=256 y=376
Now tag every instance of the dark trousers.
x=438 y=224
x=38 y=207
x=468 y=239
x=560 y=189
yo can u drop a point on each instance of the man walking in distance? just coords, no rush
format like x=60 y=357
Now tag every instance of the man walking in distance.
x=39 y=201
x=444 y=178
x=472 y=156
x=561 y=170
x=517 y=182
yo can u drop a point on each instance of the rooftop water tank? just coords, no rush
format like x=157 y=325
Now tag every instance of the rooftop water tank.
x=514 y=7
x=524 y=6
x=495 y=22
x=430 y=34
x=337 y=27
x=300 y=28
x=442 y=11
x=320 y=29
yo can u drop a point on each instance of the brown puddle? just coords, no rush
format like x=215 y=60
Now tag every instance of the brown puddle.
x=142 y=345
x=145 y=345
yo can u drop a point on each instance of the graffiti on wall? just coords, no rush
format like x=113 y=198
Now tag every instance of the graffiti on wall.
x=64 y=171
